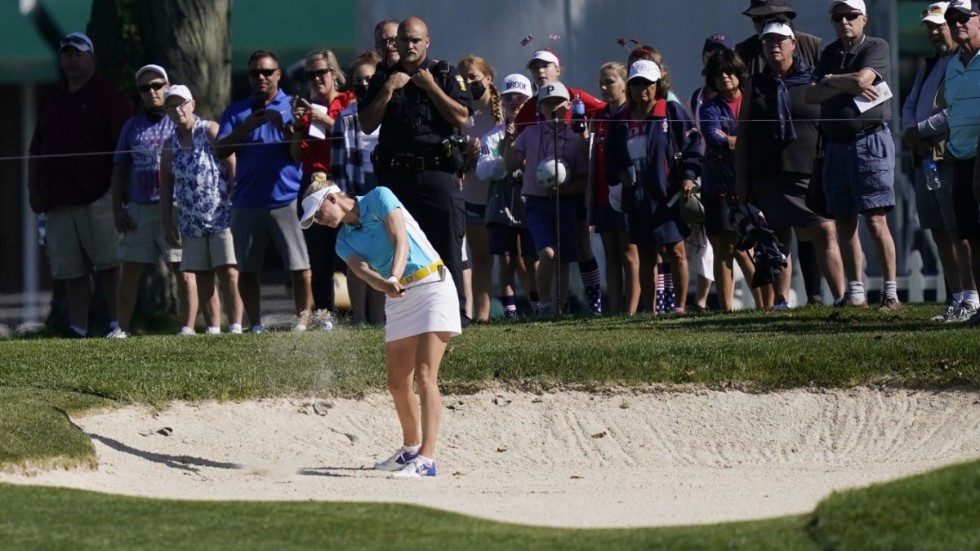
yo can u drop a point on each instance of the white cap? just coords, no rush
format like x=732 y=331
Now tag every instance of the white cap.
x=517 y=83
x=553 y=90
x=935 y=13
x=544 y=55
x=645 y=69
x=776 y=27
x=312 y=204
x=179 y=91
x=151 y=68
x=855 y=5
x=79 y=41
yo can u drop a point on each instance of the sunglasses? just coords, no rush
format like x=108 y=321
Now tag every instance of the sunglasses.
x=321 y=73
x=254 y=73
x=838 y=17
x=150 y=86
x=957 y=17
x=182 y=107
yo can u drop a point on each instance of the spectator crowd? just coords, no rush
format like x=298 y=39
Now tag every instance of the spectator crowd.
x=787 y=140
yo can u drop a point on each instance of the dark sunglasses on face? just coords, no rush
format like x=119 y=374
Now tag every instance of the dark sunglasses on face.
x=254 y=73
x=958 y=17
x=310 y=75
x=151 y=86
x=838 y=17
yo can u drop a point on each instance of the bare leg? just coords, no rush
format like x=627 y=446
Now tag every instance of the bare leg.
x=126 y=294
x=546 y=273
x=677 y=254
x=824 y=238
x=205 y=291
x=228 y=275
x=187 y=297
x=248 y=289
x=877 y=224
x=850 y=247
x=630 y=258
x=400 y=357
x=428 y=357
x=482 y=261
x=79 y=291
x=302 y=294
x=648 y=277
x=724 y=249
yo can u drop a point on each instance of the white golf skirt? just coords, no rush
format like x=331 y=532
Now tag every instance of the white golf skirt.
x=427 y=305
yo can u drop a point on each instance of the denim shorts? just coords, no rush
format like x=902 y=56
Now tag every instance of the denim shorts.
x=860 y=175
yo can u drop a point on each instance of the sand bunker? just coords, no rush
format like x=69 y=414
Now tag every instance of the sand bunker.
x=568 y=459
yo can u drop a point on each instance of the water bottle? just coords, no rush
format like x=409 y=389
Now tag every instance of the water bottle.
x=42 y=222
x=932 y=174
x=578 y=115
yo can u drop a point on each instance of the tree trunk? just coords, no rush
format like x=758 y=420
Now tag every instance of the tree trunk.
x=190 y=39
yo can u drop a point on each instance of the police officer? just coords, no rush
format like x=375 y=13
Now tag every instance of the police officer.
x=421 y=105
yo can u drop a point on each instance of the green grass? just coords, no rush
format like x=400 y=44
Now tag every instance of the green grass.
x=42 y=381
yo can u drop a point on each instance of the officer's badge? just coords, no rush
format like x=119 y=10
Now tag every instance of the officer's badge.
x=462 y=83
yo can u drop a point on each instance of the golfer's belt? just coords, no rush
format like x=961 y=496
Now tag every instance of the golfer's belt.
x=421 y=274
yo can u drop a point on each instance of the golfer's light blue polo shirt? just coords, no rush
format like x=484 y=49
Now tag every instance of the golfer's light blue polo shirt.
x=370 y=239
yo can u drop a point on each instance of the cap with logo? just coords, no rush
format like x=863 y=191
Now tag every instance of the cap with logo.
x=964 y=6
x=553 y=90
x=517 y=83
x=311 y=204
x=645 y=69
x=544 y=55
x=78 y=41
x=717 y=40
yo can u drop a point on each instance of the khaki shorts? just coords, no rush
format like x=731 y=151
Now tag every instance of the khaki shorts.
x=81 y=238
x=253 y=228
x=203 y=254
x=147 y=242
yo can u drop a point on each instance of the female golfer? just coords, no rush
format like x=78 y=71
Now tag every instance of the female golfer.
x=383 y=245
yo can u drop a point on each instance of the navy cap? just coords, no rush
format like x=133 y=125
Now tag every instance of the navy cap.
x=717 y=40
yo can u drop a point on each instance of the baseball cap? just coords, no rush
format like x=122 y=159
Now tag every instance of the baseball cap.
x=855 y=5
x=152 y=69
x=79 y=41
x=516 y=83
x=178 y=91
x=935 y=13
x=311 y=204
x=782 y=29
x=762 y=8
x=969 y=8
x=544 y=55
x=553 y=90
x=717 y=40
x=645 y=69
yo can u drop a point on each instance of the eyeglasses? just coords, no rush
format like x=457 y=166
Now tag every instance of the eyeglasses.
x=956 y=17
x=512 y=98
x=151 y=86
x=321 y=73
x=838 y=17
x=254 y=73
x=183 y=106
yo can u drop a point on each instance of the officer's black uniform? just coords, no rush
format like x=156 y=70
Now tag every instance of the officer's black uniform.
x=414 y=159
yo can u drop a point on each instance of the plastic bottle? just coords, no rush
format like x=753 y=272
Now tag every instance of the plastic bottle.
x=932 y=174
x=42 y=224
x=578 y=115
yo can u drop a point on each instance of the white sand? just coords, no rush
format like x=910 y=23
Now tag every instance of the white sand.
x=568 y=459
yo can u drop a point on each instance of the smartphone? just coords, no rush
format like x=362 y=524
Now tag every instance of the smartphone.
x=258 y=104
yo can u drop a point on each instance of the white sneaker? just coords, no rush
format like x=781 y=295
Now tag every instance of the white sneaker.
x=117 y=333
x=396 y=461
x=780 y=306
x=299 y=328
x=946 y=314
x=185 y=331
x=415 y=468
x=258 y=329
x=213 y=331
x=235 y=329
x=962 y=313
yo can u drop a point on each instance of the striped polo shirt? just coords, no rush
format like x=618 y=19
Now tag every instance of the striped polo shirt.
x=963 y=106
